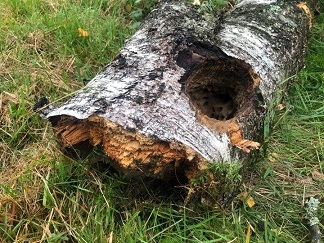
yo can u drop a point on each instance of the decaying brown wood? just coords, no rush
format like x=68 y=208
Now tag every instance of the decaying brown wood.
x=120 y=145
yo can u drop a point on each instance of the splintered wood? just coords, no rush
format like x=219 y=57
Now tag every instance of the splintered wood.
x=134 y=152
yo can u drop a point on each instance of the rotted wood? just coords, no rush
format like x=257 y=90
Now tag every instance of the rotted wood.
x=188 y=88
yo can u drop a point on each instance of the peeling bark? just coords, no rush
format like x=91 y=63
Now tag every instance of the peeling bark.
x=189 y=87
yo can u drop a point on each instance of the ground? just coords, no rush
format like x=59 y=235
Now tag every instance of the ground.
x=49 y=48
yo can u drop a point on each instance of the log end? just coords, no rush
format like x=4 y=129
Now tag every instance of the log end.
x=131 y=152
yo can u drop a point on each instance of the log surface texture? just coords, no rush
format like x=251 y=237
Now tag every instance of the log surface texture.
x=188 y=87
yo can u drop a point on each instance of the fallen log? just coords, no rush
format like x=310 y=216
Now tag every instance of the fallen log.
x=188 y=88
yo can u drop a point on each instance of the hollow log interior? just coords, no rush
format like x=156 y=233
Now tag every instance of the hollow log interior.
x=219 y=89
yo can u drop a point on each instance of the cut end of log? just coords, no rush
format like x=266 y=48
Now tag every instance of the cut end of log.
x=130 y=151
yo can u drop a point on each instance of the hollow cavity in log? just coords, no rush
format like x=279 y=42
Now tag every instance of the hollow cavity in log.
x=219 y=89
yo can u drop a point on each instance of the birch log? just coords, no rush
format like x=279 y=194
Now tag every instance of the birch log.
x=189 y=87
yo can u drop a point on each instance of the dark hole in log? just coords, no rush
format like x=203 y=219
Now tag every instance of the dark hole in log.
x=219 y=89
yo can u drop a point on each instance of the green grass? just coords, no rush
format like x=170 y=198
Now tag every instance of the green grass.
x=47 y=197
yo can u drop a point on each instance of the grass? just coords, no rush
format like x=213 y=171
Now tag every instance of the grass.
x=47 y=197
